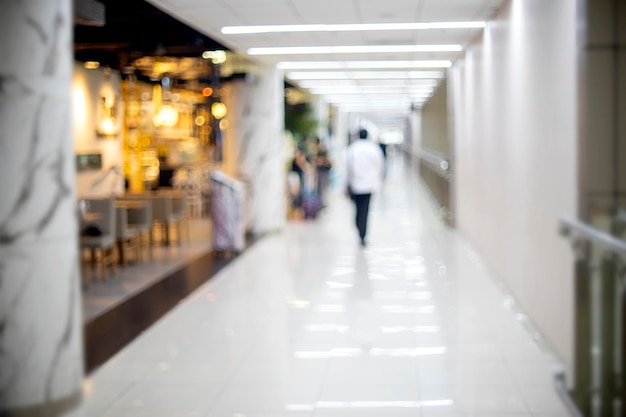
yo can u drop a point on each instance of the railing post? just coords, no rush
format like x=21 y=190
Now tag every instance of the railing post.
x=582 y=334
x=607 y=337
x=599 y=380
x=622 y=351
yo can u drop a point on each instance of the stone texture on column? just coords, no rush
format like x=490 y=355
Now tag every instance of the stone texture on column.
x=255 y=143
x=41 y=368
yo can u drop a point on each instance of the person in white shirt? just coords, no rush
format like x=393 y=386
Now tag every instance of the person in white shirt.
x=364 y=167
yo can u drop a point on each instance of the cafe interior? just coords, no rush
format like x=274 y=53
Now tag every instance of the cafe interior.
x=148 y=126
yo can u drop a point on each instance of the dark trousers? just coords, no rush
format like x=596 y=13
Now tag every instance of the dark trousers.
x=362 y=203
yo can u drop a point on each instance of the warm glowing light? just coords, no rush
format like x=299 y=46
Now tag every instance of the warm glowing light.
x=200 y=120
x=207 y=91
x=216 y=57
x=218 y=110
x=107 y=127
x=164 y=67
x=166 y=116
x=79 y=103
x=91 y=65
x=224 y=124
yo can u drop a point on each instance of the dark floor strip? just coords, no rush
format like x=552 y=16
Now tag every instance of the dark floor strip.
x=108 y=333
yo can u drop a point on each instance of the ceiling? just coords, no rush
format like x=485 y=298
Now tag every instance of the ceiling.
x=208 y=17
x=137 y=34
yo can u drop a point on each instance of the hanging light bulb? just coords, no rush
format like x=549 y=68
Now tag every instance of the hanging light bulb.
x=108 y=124
x=218 y=110
x=165 y=114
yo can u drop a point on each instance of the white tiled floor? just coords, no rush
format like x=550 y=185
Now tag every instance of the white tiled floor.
x=306 y=323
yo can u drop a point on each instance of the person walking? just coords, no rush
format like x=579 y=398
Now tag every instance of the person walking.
x=364 y=171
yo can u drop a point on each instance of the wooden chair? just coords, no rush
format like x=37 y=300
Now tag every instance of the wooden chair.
x=126 y=235
x=180 y=211
x=162 y=215
x=98 y=233
x=140 y=217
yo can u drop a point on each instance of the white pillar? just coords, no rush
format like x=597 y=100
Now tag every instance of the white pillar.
x=255 y=145
x=321 y=115
x=41 y=368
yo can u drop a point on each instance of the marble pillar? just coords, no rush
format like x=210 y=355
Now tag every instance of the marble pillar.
x=322 y=113
x=255 y=146
x=40 y=326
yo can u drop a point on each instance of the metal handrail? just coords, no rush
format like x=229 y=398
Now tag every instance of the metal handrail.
x=438 y=161
x=599 y=257
x=574 y=228
x=563 y=392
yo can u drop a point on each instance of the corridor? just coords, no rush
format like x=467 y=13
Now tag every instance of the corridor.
x=307 y=323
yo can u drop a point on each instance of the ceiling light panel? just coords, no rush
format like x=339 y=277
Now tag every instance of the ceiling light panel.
x=364 y=64
x=350 y=49
x=363 y=75
x=365 y=83
x=361 y=27
x=370 y=90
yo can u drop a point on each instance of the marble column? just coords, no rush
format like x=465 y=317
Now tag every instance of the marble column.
x=255 y=146
x=322 y=112
x=40 y=326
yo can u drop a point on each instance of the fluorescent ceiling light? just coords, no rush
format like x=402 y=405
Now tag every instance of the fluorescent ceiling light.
x=239 y=30
x=300 y=65
x=338 y=92
x=405 y=108
x=364 y=75
x=376 y=97
x=368 y=83
x=356 y=49
x=386 y=105
x=375 y=101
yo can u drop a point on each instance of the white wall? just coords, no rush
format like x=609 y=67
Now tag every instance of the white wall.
x=435 y=121
x=88 y=86
x=514 y=99
x=321 y=114
x=412 y=144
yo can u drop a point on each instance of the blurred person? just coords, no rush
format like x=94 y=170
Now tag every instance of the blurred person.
x=383 y=148
x=323 y=166
x=299 y=168
x=364 y=172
